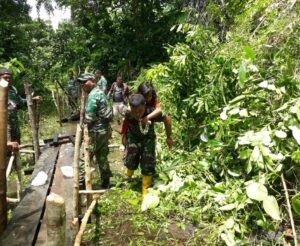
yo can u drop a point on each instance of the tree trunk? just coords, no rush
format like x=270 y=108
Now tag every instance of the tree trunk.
x=3 y=149
x=55 y=220
x=32 y=117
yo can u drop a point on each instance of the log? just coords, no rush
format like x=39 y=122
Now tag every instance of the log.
x=3 y=147
x=84 y=223
x=87 y=165
x=55 y=220
x=33 y=122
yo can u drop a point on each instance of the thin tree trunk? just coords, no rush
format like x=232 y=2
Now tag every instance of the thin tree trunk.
x=3 y=149
x=84 y=223
x=88 y=178
x=55 y=220
x=32 y=117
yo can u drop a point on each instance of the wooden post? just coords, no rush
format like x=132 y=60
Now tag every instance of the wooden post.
x=76 y=171
x=55 y=220
x=57 y=107
x=87 y=165
x=3 y=147
x=84 y=223
x=32 y=117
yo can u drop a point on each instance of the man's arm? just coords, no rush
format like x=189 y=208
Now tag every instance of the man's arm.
x=168 y=128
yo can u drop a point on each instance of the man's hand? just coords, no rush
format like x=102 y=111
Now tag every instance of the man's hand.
x=145 y=120
x=170 y=141
x=13 y=146
x=37 y=98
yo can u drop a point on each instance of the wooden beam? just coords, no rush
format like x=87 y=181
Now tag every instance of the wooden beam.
x=33 y=121
x=92 y=191
x=23 y=227
x=3 y=149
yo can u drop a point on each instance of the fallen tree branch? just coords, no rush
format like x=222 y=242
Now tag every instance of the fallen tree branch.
x=84 y=223
x=289 y=210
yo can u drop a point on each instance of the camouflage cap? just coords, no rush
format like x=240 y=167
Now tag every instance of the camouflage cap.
x=85 y=76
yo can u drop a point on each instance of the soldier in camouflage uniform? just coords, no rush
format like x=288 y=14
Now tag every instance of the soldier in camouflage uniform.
x=97 y=117
x=15 y=102
x=73 y=91
x=140 y=139
x=102 y=82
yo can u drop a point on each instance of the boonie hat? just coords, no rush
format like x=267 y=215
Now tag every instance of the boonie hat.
x=86 y=76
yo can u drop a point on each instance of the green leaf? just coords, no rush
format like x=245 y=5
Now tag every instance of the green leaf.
x=249 y=53
x=271 y=207
x=296 y=203
x=134 y=201
x=257 y=191
x=242 y=74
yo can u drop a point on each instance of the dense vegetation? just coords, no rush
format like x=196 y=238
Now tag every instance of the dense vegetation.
x=233 y=72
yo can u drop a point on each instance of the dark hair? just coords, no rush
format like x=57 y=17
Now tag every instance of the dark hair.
x=136 y=100
x=98 y=71
x=146 y=87
x=5 y=71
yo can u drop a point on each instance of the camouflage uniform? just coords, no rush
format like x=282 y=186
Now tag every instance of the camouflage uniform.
x=102 y=84
x=98 y=116
x=15 y=101
x=73 y=91
x=140 y=147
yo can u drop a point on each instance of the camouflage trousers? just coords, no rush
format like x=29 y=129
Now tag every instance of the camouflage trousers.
x=140 y=152
x=13 y=130
x=98 y=148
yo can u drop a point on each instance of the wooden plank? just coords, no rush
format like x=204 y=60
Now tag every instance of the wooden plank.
x=24 y=225
x=64 y=187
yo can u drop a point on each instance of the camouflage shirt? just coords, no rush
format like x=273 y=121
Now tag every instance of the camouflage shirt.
x=98 y=114
x=73 y=87
x=134 y=126
x=102 y=83
x=15 y=101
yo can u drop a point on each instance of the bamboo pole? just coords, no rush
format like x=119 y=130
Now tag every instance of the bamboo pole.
x=84 y=223
x=57 y=107
x=55 y=220
x=10 y=163
x=289 y=210
x=82 y=192
x=3 y=147
x=87 y=165
x=33 y=123
x=18 y=167
x=76 y=171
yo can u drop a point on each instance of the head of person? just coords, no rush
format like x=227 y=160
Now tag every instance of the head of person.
x=98 y=74
x=6 y=75
x=70 y=74
x=137 y=105
x=147 y=90
x=87 y=81
x=119 y=80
